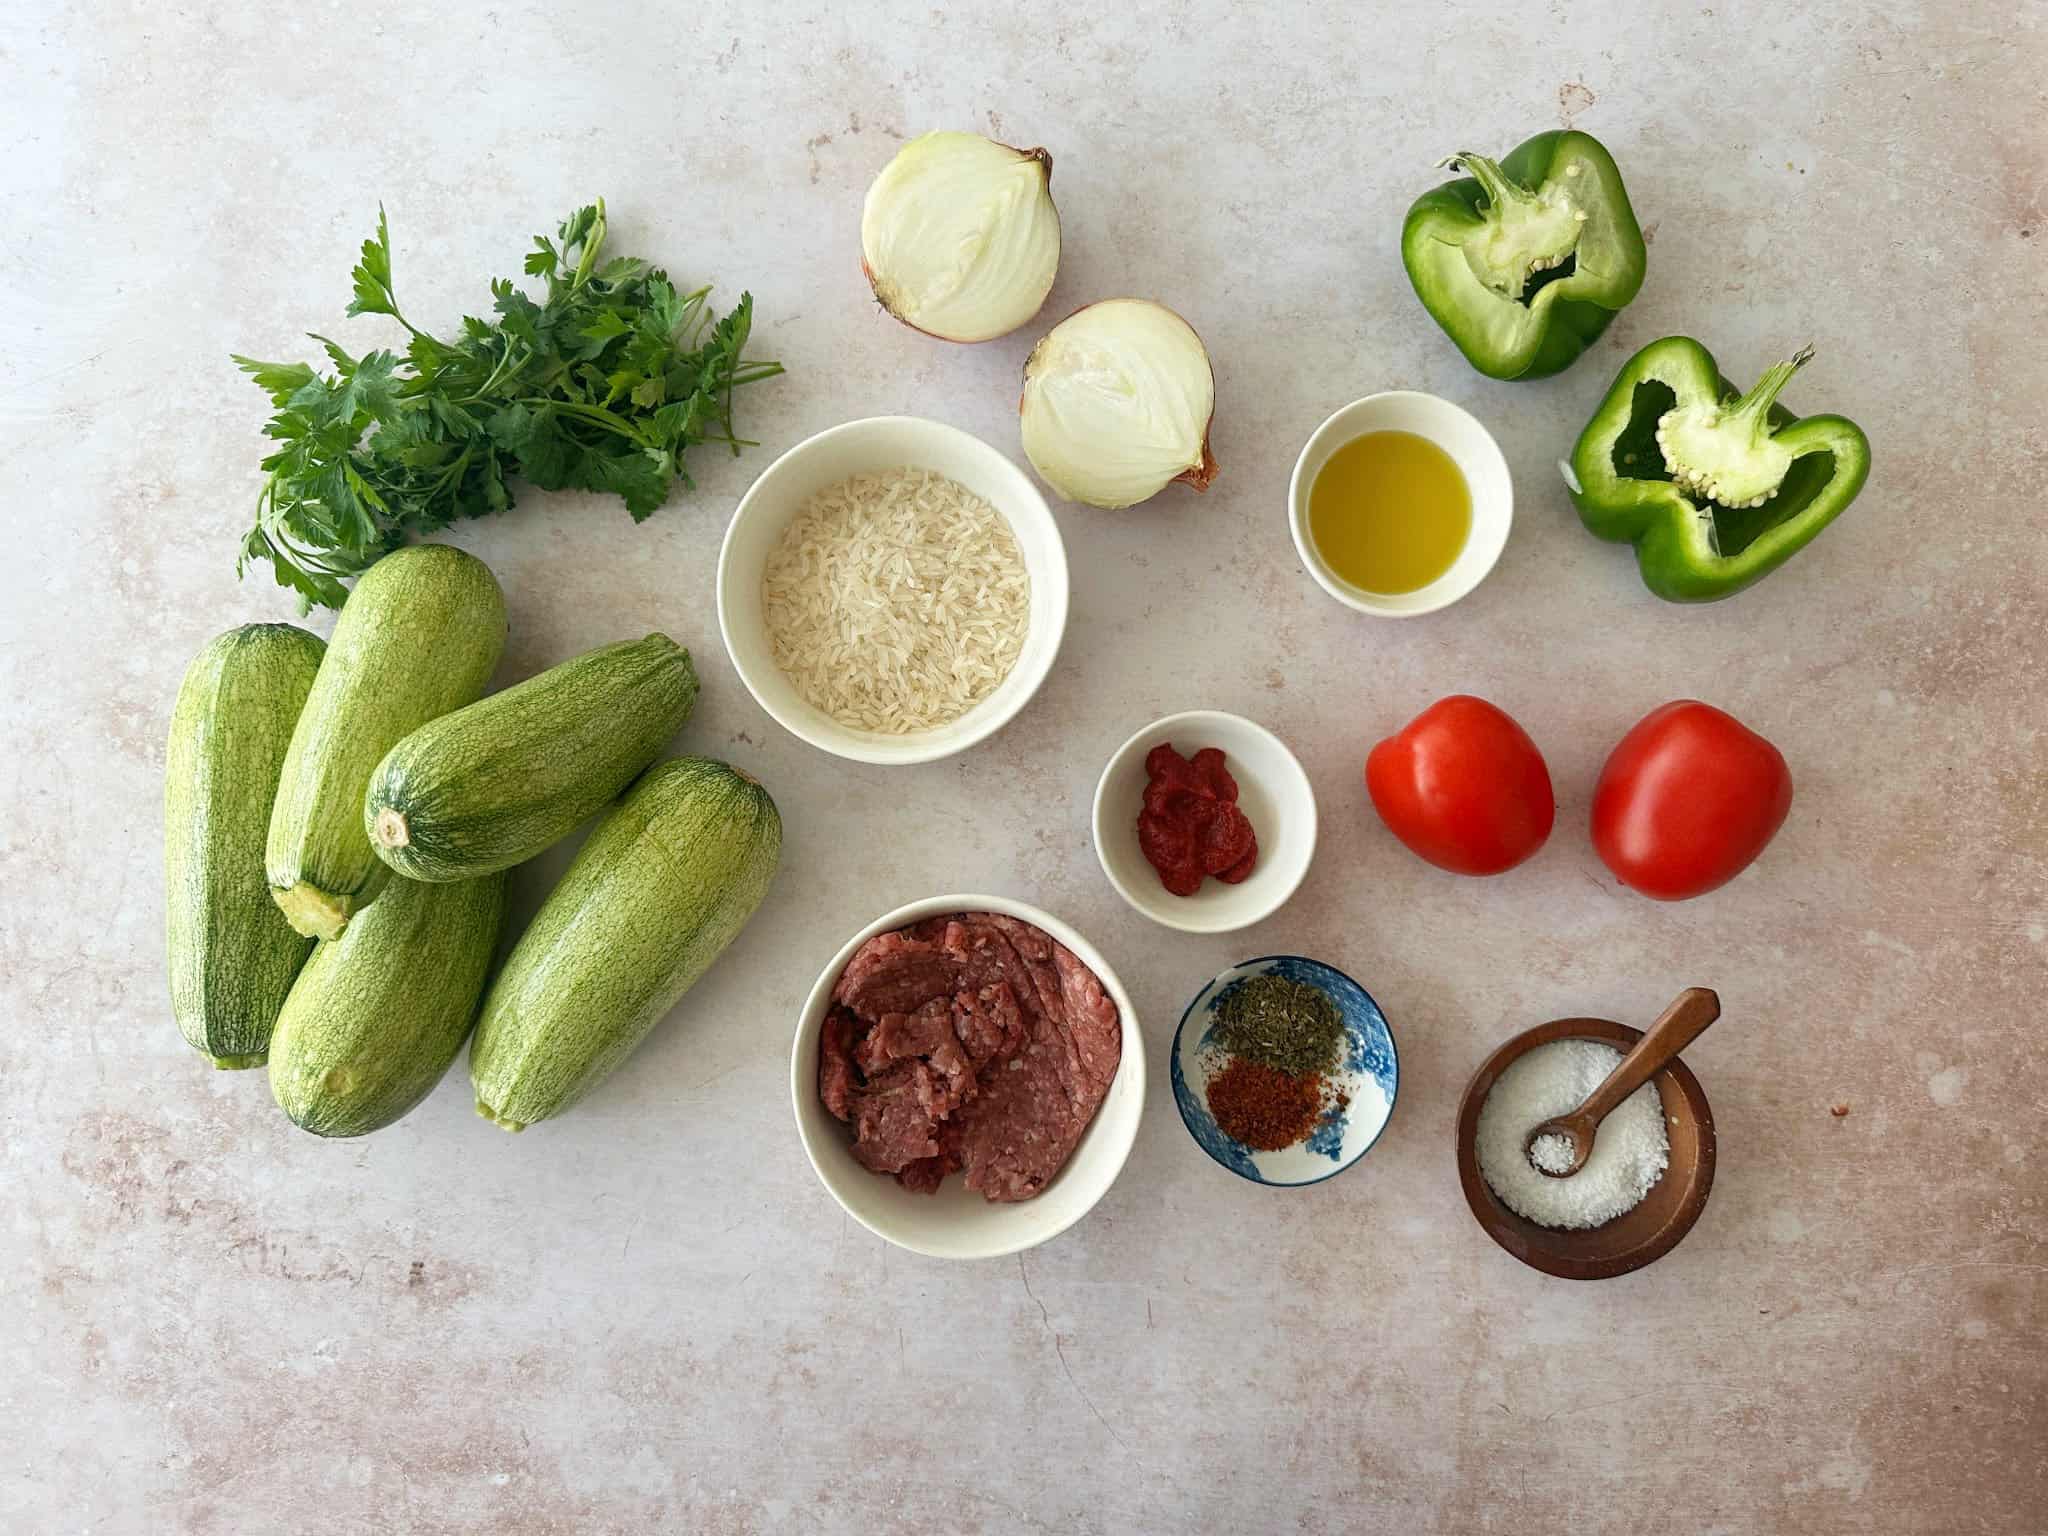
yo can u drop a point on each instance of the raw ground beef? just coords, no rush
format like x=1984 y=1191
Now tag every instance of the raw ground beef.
x=968 y=1042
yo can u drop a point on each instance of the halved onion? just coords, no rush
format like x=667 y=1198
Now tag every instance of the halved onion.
x=959 y=237
x=1117 y=403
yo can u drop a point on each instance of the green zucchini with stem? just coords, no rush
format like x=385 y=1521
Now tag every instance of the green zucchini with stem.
x=419 y=636
x=497 y=781
x=379 y=1014
x=231 y=954
x=665 y=881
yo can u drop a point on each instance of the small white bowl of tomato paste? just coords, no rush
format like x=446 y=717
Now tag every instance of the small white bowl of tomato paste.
x=1205 y=822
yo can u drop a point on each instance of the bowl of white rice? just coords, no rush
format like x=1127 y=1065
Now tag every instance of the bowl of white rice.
x=892 y=590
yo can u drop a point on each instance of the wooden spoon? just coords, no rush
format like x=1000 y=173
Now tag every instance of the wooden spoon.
x=1677 y=1027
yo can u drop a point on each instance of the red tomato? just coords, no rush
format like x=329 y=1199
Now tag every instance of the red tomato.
x=1464 y=787
x=1687 y=799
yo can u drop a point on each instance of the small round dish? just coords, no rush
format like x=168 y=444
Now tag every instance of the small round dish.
x=1272 y=791
x=1641 y=1236
x=956 y=1223
x=1479 y=460
x=1369 y=1075
x=870 y=446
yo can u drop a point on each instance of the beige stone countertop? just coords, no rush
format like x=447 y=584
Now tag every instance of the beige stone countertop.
x=649 y=1315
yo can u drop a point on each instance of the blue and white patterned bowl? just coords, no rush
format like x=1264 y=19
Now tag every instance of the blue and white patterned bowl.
x=1369 y=1073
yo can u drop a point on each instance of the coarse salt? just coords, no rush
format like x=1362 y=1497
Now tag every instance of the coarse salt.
x=1629 y=1154
x=1552 y=1153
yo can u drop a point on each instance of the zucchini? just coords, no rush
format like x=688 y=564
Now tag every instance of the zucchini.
x=499 y=780
x=231 y=956
x=419 y=636
x=667 y=878
x=379 y=1013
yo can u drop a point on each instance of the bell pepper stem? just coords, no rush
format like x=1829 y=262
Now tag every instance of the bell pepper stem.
x=1491 y=178
x=1764 y=393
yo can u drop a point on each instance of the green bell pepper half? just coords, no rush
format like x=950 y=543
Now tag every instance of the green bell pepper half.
x=1715 y=489
x=1523 y=262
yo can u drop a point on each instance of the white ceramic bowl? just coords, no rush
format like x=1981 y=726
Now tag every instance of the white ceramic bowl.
x=1478 y=458
x=956 y=1223
x=866 y=447
x=1272 y=791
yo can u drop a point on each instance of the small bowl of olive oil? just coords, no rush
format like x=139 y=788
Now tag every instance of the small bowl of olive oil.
x=1400 y=504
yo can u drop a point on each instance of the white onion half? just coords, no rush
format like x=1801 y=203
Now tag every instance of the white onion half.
x=959 y=237
x=1117 y=403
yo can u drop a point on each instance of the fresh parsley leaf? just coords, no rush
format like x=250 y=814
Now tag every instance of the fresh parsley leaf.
x=602 y=384
x=280 y=381
x=642 y=478
x=373 y=274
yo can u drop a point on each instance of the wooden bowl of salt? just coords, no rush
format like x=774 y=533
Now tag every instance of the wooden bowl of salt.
x=1639 y=1236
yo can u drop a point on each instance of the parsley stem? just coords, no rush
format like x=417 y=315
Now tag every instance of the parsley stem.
x=484 y=389
x=391 y=309
x=593 y=413
x=454 y=472
x=593 y=239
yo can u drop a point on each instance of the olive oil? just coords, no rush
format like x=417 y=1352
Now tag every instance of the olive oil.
x=1389 y=512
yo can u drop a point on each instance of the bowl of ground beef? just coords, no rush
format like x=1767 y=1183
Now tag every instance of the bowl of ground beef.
x=967 y=1076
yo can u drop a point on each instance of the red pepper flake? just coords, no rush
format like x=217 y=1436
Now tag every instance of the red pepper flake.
x=1190 y=827
x=1838 y=1110
x=1263 y=1108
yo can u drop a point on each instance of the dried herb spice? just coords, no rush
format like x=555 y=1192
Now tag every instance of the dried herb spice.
x=1289 y=1026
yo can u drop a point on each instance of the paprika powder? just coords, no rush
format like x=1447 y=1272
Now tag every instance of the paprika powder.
x=1264 y=1108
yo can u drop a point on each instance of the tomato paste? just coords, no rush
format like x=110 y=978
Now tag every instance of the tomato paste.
x=1190 y=827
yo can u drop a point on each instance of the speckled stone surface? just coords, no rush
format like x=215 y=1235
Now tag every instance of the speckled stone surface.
x=649 y=1315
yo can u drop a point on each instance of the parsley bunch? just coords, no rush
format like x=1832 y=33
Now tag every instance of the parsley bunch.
x=602 y=386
